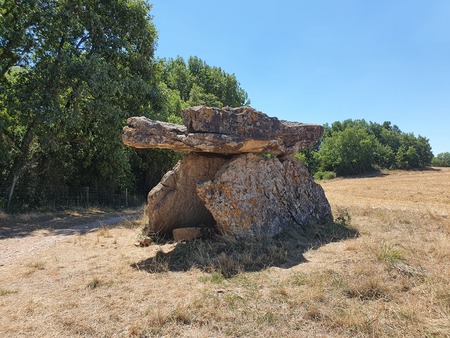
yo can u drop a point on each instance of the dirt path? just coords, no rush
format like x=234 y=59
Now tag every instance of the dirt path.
x=22 y=238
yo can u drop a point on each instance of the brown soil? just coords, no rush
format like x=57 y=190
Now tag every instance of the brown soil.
x=24 y=235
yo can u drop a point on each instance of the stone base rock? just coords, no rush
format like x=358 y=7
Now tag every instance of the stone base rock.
x=256 y=195
x=174 y=202
x=247 y=195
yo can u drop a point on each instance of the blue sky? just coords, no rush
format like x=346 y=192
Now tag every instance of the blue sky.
x=320 y=61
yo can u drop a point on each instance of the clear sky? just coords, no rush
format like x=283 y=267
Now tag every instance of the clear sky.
x=320 y=61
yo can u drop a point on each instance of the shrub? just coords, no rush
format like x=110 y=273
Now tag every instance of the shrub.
x=325 y=175
x=441 y=160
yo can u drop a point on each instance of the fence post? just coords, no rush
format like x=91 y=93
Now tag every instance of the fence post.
x=87 y=197
x=126 y=197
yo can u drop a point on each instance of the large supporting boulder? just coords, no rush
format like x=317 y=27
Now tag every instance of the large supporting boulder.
x=256 y=195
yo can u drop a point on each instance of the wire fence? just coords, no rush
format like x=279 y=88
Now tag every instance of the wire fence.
x=60 y=198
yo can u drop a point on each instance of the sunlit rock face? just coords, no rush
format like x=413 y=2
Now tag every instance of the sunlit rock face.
x=256 y=195
x=229 y=181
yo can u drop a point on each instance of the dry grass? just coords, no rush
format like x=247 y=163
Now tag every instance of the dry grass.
x=391 y=281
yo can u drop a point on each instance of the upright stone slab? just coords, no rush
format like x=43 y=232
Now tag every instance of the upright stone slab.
x=255 y=195
x=174 y=202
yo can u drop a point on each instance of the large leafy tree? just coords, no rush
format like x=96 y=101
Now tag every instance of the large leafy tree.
x=197 y=83
x=70 y=73
x=349 y=151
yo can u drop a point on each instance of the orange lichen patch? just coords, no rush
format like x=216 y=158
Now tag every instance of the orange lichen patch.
x=254 y=145
x=208 y=112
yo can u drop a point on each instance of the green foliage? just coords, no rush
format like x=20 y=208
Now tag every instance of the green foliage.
x=343 y=218
x=356 y=146
x=347 y=152
x=310 y=158
x=441 y=160
x=196 y=83
x=414 y=152
x=324 y=175
x=83 y=66
x=71 y=72
x=214 y=278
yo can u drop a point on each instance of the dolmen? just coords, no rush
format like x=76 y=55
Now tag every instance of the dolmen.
x=239 y=175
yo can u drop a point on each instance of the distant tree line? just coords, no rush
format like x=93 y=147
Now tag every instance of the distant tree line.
x=355 y=146
x=71 y=73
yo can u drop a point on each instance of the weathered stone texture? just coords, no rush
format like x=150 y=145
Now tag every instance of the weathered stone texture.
x=174 y=203
x=247 y=123
x=223 y=131
x=142 y=132
x=254 y=195
x=224 y=180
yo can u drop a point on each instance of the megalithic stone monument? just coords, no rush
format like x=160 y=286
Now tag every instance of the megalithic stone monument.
x=227 y=180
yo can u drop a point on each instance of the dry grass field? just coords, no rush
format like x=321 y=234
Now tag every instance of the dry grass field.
x=393 y=280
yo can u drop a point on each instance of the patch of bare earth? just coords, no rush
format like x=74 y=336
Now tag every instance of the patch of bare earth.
x=392 y=280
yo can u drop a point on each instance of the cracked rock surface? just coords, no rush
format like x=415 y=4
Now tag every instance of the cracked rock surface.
x=222 y=131
x=256 y=195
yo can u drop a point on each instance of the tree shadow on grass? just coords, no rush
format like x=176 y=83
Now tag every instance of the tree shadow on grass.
x=230 y=256
x=379 y=173
x=62 y=223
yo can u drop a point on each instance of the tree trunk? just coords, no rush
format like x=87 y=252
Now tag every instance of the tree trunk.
x=11 y=190
x=21 y=161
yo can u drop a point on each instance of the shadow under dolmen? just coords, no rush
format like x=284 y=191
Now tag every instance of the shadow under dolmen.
x=231 y=255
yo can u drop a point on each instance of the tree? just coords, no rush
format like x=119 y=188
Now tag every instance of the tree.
x=441 y=160
x=183 y=84
x=414 y=152
x=198 y=83
x=16 y=38
x=349 y=151
x=83 y=66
